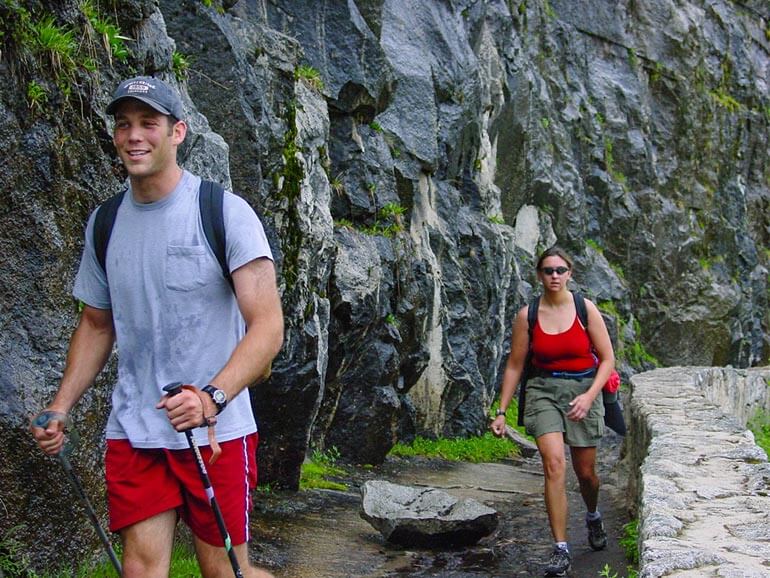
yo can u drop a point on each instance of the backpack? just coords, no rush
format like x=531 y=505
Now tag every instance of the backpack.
x=211 y=203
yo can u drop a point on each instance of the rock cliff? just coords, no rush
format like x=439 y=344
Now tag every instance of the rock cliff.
x=409 y=159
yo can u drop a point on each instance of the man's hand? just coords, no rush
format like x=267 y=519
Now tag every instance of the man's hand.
x=186 y=409
x=50 y=438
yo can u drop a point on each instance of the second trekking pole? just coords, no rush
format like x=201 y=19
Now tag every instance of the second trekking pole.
x=41 y=421
x=172 y=389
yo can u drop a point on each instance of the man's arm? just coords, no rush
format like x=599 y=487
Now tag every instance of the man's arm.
x=260 y=305
x=89 y=350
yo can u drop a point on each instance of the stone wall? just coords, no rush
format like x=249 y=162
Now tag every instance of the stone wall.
x=702 y=484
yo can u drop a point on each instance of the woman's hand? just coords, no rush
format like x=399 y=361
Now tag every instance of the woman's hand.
x=580 y=406
x=498 y=426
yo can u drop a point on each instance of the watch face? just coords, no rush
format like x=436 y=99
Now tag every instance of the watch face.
x=219 y=396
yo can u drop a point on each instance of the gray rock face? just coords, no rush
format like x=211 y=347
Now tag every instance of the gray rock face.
x=424 y=517
x=405 y=196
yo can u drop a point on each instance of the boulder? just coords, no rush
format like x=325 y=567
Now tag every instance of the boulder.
x=425 y=517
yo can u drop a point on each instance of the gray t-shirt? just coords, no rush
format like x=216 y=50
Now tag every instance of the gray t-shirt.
x=176 y=317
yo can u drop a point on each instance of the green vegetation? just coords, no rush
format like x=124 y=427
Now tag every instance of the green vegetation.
x=56 y=44
x=215 y=4
x=633 y=59
x=486 y=448
x=595 y=246
x=637 y=355
x=630 y=541
x=723 y=99
x=114 y=43
x=656 y=73
x=387 y=222
x=391 y=319
x=545 y=122
x=337 y=185
x=608 y=572
x=310 y=75
x=375 y=126
x=37 y=96
x=760 y=427
x=609 y=161
x=550 y=13
x=40 y=46
x=609 y=308
x=290 y=179
x=180 y=65
x=318 y=468
x=183 y=565
x=13 y=557
x=496 y=219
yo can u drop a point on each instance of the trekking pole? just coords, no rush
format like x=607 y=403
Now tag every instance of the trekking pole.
x=172 y=389
x=42 y=421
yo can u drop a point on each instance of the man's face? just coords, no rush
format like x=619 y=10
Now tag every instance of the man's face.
x=145 y=139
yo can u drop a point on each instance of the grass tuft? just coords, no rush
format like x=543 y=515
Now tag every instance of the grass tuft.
x=316 y=471
x=486 y=448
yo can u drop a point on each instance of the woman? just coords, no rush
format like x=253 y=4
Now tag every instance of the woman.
x=564 y=409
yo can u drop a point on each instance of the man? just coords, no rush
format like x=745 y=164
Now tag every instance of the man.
x=163 y=298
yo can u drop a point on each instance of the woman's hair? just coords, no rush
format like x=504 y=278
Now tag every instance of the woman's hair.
x=554 y=251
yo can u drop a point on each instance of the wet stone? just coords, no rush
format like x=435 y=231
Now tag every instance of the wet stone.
x=425 y=517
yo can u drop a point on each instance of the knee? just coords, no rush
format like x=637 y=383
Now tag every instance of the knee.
x=137 y=567
x=554 y=466
x=586 y=474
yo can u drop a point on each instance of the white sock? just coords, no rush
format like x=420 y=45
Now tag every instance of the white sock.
x=591 y=516
x=562 y=546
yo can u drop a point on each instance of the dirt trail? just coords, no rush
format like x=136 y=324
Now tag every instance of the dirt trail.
x=320 y=534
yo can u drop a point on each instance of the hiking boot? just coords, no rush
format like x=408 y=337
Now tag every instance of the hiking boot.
x=558 y=563
x=597 y=537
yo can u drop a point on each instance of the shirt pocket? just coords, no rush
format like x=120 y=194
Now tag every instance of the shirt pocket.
x=188 y=267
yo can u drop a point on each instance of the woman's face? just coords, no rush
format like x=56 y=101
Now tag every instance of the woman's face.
x=554 y=273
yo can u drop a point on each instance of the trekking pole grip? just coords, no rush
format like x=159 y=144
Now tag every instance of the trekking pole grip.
x=173 y=388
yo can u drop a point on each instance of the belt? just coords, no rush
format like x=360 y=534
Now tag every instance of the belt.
x=537 y=372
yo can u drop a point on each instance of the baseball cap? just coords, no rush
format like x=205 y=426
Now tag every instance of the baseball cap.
x=151 y=91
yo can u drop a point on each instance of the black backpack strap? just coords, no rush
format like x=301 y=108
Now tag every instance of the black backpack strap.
x=211 y=200
x=580 y=308
x=531 y=320
x=532 y=315
x=103 y=223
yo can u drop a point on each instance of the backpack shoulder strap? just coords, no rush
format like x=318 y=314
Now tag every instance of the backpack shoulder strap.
x=580 y=308
x=532 y=315
x=211 y=200
x=103 y=223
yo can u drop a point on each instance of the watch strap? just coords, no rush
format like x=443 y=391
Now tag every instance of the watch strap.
x=217 y=396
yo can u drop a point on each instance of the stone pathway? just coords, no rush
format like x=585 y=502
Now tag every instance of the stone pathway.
x=320 y=534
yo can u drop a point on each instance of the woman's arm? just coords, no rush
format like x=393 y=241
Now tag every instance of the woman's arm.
x=514 y=367
x=600 y=339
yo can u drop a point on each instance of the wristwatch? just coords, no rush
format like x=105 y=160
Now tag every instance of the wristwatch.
x=219 y=397
x=499 y=412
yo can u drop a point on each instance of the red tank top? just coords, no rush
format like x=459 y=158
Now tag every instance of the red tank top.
x=567 y=351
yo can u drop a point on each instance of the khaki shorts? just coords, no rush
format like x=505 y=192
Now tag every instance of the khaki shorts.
x=546 y=408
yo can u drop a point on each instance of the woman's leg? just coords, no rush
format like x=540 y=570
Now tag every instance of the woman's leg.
x=584 y=464
x=551 y=447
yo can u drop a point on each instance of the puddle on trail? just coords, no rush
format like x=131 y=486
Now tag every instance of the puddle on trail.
x=320 y=534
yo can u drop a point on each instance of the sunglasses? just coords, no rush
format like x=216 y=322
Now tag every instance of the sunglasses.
x=552 y=270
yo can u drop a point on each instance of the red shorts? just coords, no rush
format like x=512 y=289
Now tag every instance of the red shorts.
x=142 y=483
